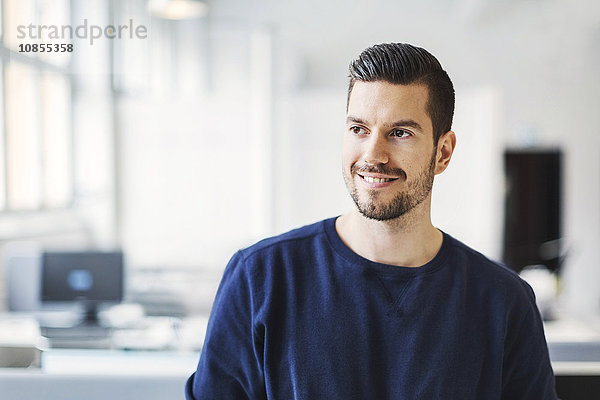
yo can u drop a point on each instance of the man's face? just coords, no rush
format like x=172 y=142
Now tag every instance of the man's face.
x=388 y=149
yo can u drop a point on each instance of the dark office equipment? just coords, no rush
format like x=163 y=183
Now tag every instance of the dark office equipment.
x=87 y=278
x=577 y=387
x=532 y=224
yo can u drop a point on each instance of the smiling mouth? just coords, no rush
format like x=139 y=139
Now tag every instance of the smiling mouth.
x=371 y=179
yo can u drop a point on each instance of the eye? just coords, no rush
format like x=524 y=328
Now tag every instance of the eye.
x=357 y=130
x=401 y=133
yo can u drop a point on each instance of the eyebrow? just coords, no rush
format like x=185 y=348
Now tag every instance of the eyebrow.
x=411 y=123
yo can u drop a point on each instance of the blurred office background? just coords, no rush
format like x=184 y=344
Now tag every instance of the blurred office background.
x=223 y=125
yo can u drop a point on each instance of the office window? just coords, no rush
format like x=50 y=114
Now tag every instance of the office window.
x=15 y=13
x=2 y=144
x=57 y=165
x=36 y=154
x=54 y=13
x=22 y=137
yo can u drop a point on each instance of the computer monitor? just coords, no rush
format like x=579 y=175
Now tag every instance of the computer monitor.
x=87 y=278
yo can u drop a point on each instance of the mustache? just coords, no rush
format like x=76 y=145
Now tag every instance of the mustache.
x=378 y=169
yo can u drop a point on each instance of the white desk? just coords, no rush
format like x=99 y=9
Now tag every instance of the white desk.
x=100 y=375
x=574 y=346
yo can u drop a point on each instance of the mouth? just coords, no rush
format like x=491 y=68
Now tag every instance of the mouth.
x=373 y=179
x=377 y=176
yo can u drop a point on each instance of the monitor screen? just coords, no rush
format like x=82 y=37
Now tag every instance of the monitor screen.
x=88 y=277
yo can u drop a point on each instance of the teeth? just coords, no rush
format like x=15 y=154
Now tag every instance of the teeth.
x=370 y=179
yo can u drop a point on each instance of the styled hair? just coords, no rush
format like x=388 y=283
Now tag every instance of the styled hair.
x=404 y=64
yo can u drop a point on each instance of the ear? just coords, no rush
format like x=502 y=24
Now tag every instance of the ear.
x=445 y=148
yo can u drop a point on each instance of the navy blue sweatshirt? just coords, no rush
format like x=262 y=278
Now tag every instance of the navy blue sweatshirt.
x=301 y=316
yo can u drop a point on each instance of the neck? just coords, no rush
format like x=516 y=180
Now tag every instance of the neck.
x=409 y=241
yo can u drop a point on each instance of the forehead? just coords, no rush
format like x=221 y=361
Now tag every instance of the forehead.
x=380 y=102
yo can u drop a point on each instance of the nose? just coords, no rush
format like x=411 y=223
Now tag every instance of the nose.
x=376 y=151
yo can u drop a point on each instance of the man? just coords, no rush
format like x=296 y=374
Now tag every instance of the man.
x=377 y=303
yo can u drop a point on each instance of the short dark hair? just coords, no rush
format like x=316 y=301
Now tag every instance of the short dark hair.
x=404 y=64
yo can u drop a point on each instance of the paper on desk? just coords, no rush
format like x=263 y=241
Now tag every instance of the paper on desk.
x=20 y=342
x=20 y=332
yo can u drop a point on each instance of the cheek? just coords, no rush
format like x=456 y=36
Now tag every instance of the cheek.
x=414 y=158
x=350 y=152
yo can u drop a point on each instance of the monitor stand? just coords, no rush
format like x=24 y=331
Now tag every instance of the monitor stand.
x=90 y=315
x=89 y=333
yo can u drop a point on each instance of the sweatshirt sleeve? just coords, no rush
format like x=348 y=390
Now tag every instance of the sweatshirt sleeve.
x=527 y=371
x=230 y=365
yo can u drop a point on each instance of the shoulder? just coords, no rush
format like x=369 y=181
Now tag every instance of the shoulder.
x=308 y=235
x=489 y=274
x=263 y=269
x=280 y=253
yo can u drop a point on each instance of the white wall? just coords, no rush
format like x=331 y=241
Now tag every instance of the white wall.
x=467 y=198
x=197 y=163
x=309 y=179
x=187 y=180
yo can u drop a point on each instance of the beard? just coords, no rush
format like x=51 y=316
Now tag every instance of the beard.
x=414 y=194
